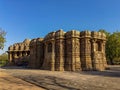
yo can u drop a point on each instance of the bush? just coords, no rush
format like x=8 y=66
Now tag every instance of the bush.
x=3 y=62
x=3 y=59
x=116 y=61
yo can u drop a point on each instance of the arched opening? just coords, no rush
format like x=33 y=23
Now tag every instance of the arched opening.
x=18 y=53
x=99 y=48
x=28 y=53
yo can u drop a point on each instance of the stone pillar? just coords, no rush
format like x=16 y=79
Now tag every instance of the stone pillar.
x=103 y=46
x=45 y=61
x=10 y=57
x=39 y=50
x=85 y=50
x=73 y=56
x=20 y=55
x=59 y=64
x=53 y=57
x=61 y=55
x=93 y=53
x=104 y=55
x=73 y=62
x=15 y=55
x=59 y=50
x=76 y=53
x=25 y=53
x=88 y=54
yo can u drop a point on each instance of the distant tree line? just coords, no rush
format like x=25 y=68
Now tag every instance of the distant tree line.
x=112 y=47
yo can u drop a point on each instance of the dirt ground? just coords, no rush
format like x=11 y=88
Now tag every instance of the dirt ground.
x=8 y=82
x=14 y=78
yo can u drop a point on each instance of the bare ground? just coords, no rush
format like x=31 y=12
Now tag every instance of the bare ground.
x=8 y=82
x=27 y=79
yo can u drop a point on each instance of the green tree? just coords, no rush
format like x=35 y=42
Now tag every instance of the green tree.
x=2 y=38
x=113 y=47
x=3 y=59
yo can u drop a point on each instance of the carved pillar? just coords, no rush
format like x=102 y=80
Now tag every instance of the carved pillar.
x=73 y=55
x=104 y=55
x=68 y=55
x=103 y=46
x=86 y=54
x=20 y=54
x=76 y=53
x=15 y=55
x=61 y=68
x=10 y=56
x=53 y=57
x=59 y=64
x=93 y=54
x=25 y=53
x=45 y=61
x=59 y=50
x=72 y=61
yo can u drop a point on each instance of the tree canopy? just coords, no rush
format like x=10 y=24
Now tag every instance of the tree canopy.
x=2 y=38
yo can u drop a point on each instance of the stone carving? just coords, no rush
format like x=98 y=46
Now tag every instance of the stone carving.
x=19 y=51
x=59 y=51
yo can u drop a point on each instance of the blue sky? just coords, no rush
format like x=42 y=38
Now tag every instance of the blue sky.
x=35 y=18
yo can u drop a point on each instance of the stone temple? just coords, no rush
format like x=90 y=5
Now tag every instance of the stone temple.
x=19 y=51
x=63 y=51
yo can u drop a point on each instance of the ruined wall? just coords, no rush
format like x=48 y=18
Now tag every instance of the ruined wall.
x=36 y=53
x=69 y=51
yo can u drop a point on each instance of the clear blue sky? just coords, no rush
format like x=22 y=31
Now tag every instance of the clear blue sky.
x=35 y=18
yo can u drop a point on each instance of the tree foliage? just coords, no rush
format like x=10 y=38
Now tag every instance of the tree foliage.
x=3 y=59
x=2 y=38
x=112 y=47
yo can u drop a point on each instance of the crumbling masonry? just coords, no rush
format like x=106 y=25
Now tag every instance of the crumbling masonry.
x=64 y=51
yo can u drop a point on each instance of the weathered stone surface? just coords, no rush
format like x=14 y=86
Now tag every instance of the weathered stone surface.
x=18 y=52
x=59 y=51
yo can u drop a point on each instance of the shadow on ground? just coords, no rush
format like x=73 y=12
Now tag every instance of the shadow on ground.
x=51 y=83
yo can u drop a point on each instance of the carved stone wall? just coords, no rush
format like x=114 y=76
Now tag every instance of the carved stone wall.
x=19 y=51
x=59 y=51
x=85 y=43
x=72 y=62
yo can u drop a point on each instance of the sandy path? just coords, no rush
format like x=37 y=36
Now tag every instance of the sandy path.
x=8 y=82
